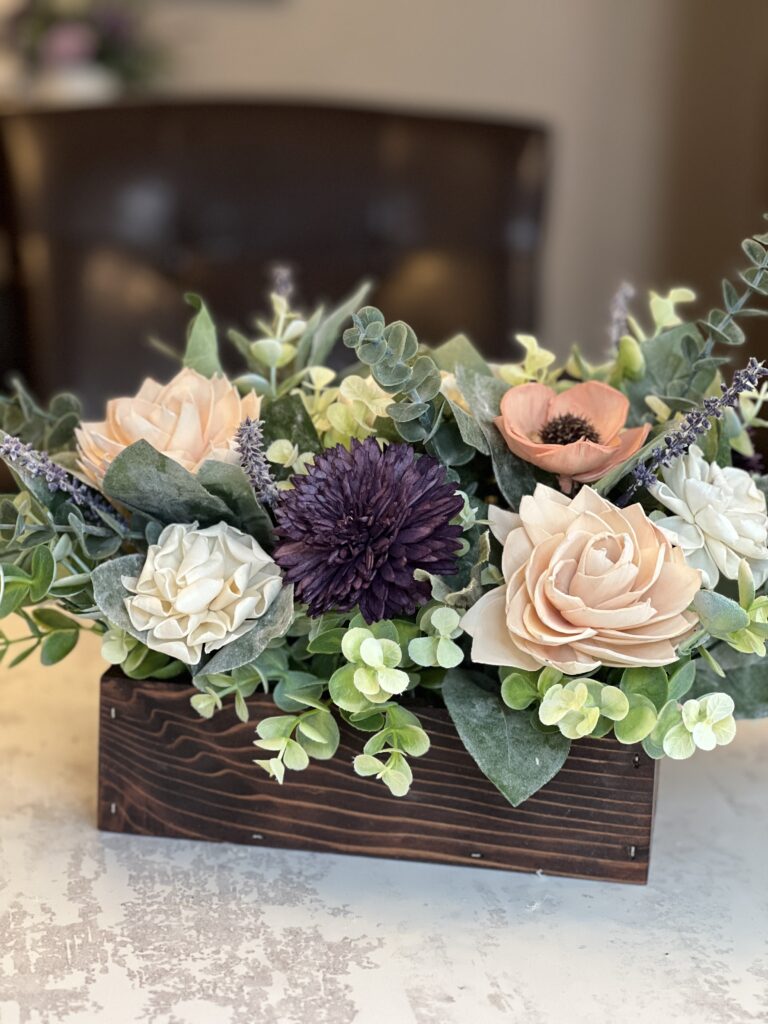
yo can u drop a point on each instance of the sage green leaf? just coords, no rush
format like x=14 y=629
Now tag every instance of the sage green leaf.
x=639 y=720
x=202 y=352
x=57 y=646
x=460 y=352
x=682 y=680
x=669 y=716
x=52 y=619
x=146 y=481
x=718 y=614
x=205 y=704
x=745 y=680
x=287 y=417
x=43 y=573
x=319 y=735
x=517 y=759
x=366 y=765
x=327 y=642
x=230 y=484
x=669 y=371
x=469 y=428
x=450 y=447
x=320 y=337
x=273 y=623
x=110 y=594
x=518 y=691
x=483 y=395
x=649 y=682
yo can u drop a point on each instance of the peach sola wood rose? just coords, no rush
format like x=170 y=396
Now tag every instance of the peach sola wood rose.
x=586 y=584
x=191 y=419
x=578 y=434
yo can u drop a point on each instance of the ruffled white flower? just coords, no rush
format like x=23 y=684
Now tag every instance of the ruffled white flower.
x=200 y=590
x=719 y=517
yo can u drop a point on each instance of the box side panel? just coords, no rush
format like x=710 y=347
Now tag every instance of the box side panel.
x=166 y=772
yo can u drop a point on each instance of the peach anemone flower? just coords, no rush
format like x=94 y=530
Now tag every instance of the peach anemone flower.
x=191 y=419
x=577 y=434
x=585 y=584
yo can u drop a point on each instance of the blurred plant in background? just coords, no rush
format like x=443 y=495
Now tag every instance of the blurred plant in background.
x=84 y=49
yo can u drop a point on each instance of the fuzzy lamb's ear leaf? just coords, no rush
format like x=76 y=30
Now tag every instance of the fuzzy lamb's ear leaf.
x=316 y=345
x=718 y=614
x=517 y=759
x=229 y=483
x=147 y=481
x=110 y=594
x=288 y=418
x=202 y=352
x=483 y=395
x=247 y=648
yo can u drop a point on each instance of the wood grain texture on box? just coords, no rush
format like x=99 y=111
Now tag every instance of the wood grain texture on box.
x=164 y=771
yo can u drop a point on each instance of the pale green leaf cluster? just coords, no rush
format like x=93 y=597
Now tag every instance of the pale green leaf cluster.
x=644 y=707
x=136 y=660
x=371 y=675
x=437 y=648
x=385 y=755
x=291 y=740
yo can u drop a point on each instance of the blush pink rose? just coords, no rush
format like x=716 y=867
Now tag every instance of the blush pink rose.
x=586 y=584
x=191 y=419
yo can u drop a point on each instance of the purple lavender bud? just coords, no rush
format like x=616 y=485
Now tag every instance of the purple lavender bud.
x=249 y=441
x=694 y=424
x=40 y=466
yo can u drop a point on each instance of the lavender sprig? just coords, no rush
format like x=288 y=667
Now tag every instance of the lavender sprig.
x=694 y=424
x=249 y=441
x=620 y=312
x=40 y=466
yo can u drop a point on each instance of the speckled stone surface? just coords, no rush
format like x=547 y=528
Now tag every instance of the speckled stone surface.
x=106 y=929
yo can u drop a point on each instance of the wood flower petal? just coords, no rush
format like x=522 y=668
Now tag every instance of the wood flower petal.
x=586 y=584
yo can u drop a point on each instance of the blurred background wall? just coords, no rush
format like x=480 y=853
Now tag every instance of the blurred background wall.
x=659 y=110
x=656 y=153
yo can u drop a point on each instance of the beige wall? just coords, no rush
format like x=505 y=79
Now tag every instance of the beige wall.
x=630 y=89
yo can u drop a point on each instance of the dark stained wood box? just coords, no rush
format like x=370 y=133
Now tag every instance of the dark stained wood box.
x=164 y=771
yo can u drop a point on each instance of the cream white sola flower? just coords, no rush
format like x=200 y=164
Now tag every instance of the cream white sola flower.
x=200 y=590
x=719 y=517
x=190 y=419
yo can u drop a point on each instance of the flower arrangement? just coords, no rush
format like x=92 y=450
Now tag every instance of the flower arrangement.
x=554 y=552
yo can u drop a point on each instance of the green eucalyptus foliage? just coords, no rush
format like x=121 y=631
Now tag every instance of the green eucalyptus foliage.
x=580 y=707
x=385 y=755
x=50 y=429
x=135 y=659
x=292 y=740
x=371 y=674
x=438 y=647
x=744 y=678
x=412 y=378
x=50 y=633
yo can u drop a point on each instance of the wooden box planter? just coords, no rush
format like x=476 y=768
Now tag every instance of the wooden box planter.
x=164 y=771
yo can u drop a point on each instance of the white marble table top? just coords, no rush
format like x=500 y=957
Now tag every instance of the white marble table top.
x=106 y=929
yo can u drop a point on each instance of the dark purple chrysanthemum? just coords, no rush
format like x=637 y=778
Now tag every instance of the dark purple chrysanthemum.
x=354 y=530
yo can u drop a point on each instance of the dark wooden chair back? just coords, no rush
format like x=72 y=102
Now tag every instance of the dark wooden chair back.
x=113 y=213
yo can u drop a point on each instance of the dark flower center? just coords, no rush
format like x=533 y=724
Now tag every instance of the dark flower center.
x=568 y=428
